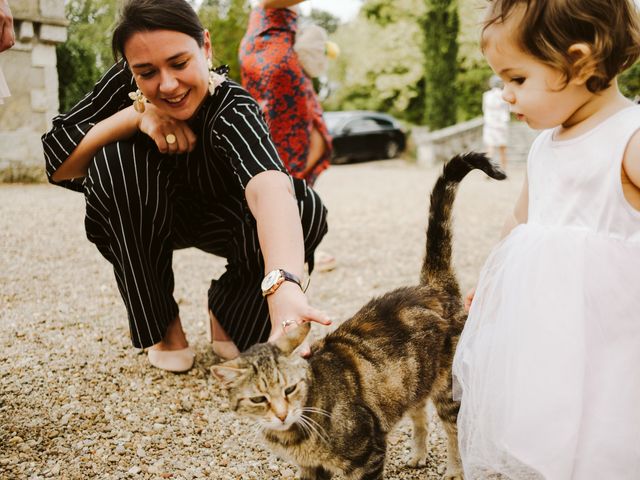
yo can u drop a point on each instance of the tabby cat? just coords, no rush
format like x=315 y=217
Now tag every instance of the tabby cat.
x=332 y=412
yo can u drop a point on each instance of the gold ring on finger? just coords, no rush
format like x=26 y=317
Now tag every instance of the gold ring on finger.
x=171 y=139
x=286 y=323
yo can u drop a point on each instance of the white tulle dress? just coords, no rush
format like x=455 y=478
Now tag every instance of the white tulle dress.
x=548 y=366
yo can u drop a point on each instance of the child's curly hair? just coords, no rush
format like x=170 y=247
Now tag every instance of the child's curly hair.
x=611 y=29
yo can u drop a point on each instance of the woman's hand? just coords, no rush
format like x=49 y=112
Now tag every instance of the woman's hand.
x=288 y=306
x=7 y=33
x=279 y=3
x=159 y=126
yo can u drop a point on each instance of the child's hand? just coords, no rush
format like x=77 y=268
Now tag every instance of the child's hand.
x=468 y=299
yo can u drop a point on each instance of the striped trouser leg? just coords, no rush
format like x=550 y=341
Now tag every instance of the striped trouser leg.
x=235 y=298
x=129 y=218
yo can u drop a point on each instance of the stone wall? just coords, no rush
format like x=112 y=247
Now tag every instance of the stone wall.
x=30 y=70
x=440 y=145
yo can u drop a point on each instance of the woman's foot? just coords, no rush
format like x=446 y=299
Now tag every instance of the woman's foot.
x=221 y=343
x=324 y=262
x=172 y=353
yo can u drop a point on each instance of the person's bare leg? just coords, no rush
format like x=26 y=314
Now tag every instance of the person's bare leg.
x=221 y=342
x=503 y=156
x=491 y=151
x=174 y=338
x=317 y=148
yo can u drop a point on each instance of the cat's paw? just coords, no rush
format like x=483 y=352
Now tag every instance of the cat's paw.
x=417 y=461
x=453 y=474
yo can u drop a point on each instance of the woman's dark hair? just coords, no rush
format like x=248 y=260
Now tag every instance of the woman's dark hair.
x=148 y=15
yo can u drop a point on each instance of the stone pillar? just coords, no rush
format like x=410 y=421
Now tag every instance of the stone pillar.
x=30 y=70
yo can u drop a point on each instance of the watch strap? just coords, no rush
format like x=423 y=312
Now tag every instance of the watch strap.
x=290 y=277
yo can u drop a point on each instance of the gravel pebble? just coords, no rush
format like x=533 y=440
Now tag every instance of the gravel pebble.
x=77 y=401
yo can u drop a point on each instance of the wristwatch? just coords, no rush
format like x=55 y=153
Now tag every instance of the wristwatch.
x=274 y=279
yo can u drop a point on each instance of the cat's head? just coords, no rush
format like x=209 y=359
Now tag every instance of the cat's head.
x=269 y=381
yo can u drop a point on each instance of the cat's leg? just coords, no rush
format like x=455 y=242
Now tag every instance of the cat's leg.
x=317 y=473
x=372 y=466
x=418 y=415
x=447 y=409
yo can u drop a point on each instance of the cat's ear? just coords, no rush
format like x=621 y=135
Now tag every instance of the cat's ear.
x=293 y=337
x=228 y=373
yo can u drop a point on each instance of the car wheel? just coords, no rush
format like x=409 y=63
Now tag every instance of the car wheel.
x=391 y=149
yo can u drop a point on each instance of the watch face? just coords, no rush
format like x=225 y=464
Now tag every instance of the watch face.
x=270 y=280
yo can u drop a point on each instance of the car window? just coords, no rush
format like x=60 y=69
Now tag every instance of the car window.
x=384 y=123
x=361 y=125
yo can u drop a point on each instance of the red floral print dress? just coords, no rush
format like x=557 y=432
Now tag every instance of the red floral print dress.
x=272 y=74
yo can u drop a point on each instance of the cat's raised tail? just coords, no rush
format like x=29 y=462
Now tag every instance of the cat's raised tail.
x=437 y=263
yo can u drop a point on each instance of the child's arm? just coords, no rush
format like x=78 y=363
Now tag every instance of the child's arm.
x=520 y=211
x=519 y=215
x=631 y=171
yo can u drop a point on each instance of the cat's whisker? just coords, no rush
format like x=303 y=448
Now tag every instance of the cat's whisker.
x=317 y=410
x=258 y=429
x=308 y=429
x=315 y=427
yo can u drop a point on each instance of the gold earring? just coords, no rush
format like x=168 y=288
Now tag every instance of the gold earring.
x=138 y=100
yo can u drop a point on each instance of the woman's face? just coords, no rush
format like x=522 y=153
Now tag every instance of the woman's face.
x=170 y=69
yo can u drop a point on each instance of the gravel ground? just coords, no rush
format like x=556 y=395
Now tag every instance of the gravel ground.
x=77 y=401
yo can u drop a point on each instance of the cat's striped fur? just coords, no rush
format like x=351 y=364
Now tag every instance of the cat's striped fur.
x=332 y=413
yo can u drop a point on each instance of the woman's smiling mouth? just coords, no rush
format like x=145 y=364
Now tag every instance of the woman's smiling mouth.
x=175 y=101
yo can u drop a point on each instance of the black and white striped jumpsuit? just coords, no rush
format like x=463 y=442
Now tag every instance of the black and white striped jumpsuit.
x=141 y=205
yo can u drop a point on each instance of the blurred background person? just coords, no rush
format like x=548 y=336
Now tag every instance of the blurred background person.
x=495 y=111
x=272 y=73
x=7 y=40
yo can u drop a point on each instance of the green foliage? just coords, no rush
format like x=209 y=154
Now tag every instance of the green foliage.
x=87 y=51
x=327 y=21
x=227 y=21
x=380 y=65
x=440 y=26
x=630 y=82
x=472 y=81
x=77 y=73
x=91 y=25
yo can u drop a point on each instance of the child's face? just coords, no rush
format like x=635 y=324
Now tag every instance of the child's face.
x=535 y=91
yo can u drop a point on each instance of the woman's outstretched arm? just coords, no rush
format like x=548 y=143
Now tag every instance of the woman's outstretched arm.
x=279 y=3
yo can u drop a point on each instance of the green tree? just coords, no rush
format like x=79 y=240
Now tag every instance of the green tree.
x=87 y=51
x=440 y=27
x=380 y=65
x=630 y=82
x=91 y=24
x=327 y=21
x=77 y=73
x=227 y=21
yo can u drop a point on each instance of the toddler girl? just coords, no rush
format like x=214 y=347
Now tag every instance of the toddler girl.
x=547 y=365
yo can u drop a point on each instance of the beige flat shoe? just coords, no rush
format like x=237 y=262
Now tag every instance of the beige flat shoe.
x=324 y=262
x=176 y=361
x=225 y=349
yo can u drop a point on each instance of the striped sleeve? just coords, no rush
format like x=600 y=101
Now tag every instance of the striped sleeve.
x=108 y=96
x=239 y=131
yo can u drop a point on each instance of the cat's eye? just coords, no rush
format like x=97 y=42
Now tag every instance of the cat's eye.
x=261 y=399
x=290 y=390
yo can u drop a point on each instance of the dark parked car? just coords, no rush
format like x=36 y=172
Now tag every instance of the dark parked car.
x=364 y=135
